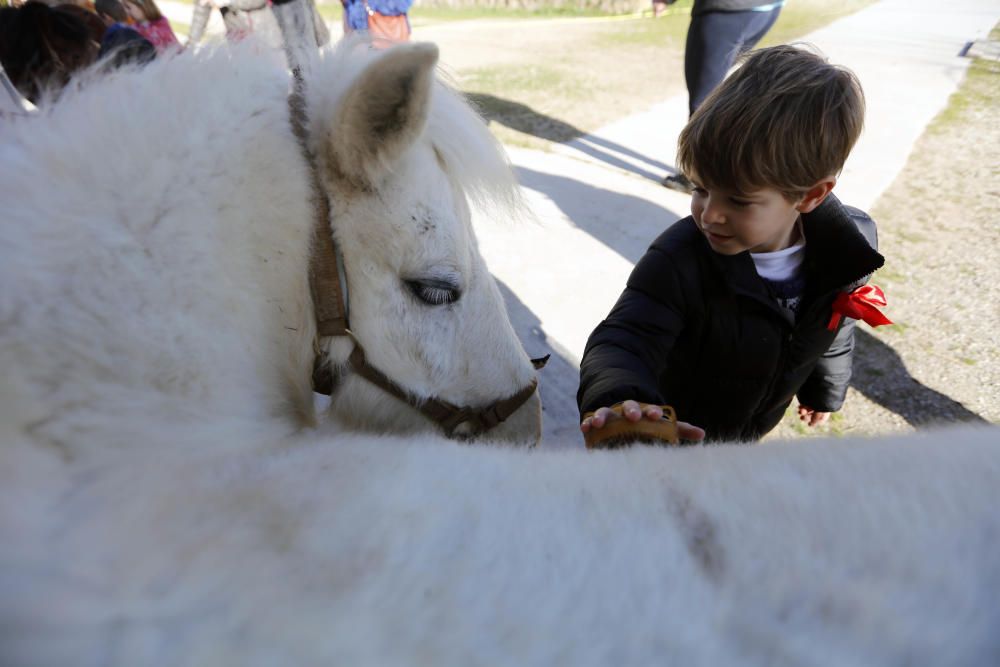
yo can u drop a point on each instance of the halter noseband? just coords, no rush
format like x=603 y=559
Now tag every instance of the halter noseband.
x=328 y=286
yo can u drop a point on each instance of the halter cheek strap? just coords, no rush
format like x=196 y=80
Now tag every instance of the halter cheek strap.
x=328 y=287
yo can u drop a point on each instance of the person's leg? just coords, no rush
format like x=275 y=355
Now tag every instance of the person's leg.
x=714 y=40
x=757 y=27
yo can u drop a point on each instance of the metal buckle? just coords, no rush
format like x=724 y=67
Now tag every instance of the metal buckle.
x=476 y=418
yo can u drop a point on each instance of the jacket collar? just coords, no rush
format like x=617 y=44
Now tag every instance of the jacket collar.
x=837 y=255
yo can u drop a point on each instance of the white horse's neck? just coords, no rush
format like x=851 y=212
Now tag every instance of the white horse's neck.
x=168 y=266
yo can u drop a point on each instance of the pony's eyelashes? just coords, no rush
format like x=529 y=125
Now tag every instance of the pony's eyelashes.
x=434 y=291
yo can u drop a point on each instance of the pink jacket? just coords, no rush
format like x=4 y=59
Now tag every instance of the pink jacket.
x=159 y=33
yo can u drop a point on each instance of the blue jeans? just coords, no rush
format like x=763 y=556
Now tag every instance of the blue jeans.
x=714 y=41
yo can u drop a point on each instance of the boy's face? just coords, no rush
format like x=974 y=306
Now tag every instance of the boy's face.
x=761 y=221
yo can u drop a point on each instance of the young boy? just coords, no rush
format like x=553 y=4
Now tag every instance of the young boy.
x=731 y=312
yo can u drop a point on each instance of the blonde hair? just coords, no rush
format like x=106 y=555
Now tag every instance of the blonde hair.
x=786 y=119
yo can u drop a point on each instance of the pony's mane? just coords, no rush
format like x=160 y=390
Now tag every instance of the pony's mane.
x=213 y=72
x=473 y=157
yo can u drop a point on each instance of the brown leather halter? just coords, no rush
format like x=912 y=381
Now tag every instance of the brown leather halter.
x=328 y=285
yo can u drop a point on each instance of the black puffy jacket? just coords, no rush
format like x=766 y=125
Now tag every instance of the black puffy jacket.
x=699 y=331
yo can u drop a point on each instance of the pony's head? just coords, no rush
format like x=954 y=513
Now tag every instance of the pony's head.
x=400 y=156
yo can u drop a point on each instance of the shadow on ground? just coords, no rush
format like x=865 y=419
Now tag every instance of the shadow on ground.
x=522 y=118
x=880 y=374
x=557 y=382
x=600 y=212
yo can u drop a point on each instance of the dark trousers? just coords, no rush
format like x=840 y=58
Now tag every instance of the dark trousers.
x=714 y=41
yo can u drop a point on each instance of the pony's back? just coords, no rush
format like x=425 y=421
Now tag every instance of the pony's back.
x=386 y=551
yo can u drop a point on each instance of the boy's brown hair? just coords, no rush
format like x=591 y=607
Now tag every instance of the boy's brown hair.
x=784 y=120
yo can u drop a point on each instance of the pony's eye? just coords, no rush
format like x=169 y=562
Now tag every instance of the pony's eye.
x=434 y=291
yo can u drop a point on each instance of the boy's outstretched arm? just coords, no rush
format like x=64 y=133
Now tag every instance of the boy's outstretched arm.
x=627 y=352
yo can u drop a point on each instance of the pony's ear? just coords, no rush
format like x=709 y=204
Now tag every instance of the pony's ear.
x=383 y=113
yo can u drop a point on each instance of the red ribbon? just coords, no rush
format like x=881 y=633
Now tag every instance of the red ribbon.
x=861 y=305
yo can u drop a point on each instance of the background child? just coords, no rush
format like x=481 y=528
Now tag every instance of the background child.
x=732 y=311
x=120 y=41
x=258 y=17
x=151 y=24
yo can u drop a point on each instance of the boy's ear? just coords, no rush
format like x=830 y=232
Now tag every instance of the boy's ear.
x=815 y=195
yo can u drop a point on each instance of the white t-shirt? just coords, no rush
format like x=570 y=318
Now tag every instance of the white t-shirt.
x=782 y=273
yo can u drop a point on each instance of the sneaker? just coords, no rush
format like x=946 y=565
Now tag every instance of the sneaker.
x=678 y=182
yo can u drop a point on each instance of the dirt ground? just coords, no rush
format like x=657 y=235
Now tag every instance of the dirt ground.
x=940 y=362
x=545 y=80
x=524 y=77
x=938 y=230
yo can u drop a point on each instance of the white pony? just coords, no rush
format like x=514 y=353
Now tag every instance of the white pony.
x=158 y=226
x=160 y=503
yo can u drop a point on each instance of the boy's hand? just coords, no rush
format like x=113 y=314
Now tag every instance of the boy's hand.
x=633 y=413
x=812 y=417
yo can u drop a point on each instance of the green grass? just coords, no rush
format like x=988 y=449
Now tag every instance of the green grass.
x=895 y=328
x=331 y=12
x=551 y=79
x=430 y=15
x=669 y=30
x=425 y=16
x=981 y=81
x=796 y=19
